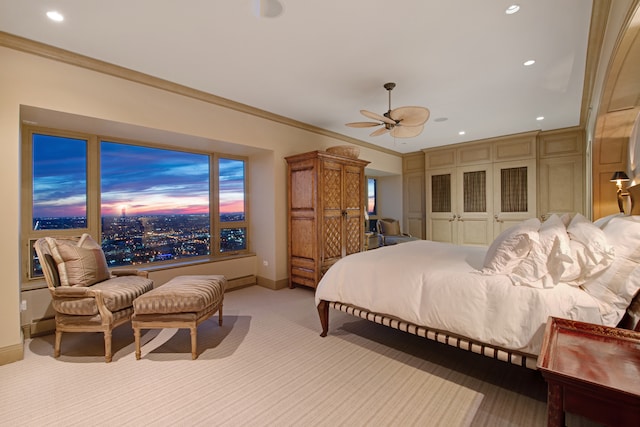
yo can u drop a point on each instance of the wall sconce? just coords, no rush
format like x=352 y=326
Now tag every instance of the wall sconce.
x=618 y=177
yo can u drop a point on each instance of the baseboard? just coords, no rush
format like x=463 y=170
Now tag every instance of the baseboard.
x=12 y=353
x=241 y=282
x=272 y=284
x=39 y=327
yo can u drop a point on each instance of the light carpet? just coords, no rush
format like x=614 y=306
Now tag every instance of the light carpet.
x=267 y=366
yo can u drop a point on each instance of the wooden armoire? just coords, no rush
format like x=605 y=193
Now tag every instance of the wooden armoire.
x=326 y=213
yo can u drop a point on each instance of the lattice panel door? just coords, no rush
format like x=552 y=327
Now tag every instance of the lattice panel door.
x=353 y=204
x=332 y=215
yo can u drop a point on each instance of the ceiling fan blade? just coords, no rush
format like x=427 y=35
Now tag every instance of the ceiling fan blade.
x=406 y=131
x=375 y=116
x=379 y=131
x=410 y=116
x=362 y=124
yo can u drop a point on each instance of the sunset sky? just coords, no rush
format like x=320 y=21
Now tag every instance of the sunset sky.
x=141 y=180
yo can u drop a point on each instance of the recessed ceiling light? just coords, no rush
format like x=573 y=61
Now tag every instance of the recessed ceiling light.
x=55 y=16
x=441 y=119
x=529 y=62
x=512 y=9
x=461 y=132
x=540 y=118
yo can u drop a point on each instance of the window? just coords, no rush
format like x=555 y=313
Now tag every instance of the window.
x=371 y=196
x=147 y=204
x=154 y=204
x=233 y=229
x=59 y=185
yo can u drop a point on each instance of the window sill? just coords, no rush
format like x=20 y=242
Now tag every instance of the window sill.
x=40 y=283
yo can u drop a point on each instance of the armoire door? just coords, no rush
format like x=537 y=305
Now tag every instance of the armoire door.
x=332 y=214
x=352 y=206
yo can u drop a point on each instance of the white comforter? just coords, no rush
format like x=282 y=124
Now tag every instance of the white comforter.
x=438 y=285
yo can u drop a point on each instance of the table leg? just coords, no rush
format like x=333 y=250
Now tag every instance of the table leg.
x=555 y=410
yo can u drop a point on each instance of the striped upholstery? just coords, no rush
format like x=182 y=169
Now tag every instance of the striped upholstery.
x=182 y=302
x=183 y=294
x=81 y=305
x=118 y=293
x=510 y=356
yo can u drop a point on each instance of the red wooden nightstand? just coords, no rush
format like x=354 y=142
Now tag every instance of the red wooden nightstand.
x=592 y=371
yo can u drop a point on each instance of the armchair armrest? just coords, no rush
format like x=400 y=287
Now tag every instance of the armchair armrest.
x=130 y=272
x=73 y=292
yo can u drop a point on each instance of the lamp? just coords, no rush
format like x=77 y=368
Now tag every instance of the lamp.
x=618 y=177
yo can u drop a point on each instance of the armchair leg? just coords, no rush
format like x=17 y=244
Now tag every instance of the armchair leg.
x=56 y=346
x=107 y=346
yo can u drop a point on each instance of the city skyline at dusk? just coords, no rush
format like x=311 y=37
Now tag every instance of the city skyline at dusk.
x=136 y=180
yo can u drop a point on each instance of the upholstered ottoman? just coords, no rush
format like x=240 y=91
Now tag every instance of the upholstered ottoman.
x=182 y=302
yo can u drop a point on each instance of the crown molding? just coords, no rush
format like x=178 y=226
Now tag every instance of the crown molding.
x=61 y=55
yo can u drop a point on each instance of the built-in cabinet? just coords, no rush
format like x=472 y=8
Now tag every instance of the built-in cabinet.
x=476 y=190
x=413 y=174
x=326 y=202
x=561 y=165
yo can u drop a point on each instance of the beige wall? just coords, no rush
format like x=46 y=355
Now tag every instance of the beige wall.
x=389 y=198
x=29 y=80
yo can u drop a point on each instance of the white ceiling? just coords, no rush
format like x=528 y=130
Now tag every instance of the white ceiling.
x=322 y=61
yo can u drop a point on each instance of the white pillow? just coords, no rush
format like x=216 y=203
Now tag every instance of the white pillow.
x=616 y=286
x=510 y=247
x=548 y=259
x=601 y=222
x=590 y=249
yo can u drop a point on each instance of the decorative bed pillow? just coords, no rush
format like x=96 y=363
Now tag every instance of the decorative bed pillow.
x=79 y=263
x=510 y=247
x=616 y=286
x=590 y=249
x=549 y=258
x=601 y=222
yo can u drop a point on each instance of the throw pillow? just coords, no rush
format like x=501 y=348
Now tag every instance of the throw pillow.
x=79 y=263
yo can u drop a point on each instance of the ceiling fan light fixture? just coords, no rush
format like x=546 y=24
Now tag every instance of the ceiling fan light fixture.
x=401 y=122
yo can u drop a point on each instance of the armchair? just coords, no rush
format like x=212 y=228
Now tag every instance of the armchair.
x=390 y=233
x=85 y=295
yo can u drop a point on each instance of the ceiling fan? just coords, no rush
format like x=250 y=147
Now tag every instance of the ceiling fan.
x=401 y=122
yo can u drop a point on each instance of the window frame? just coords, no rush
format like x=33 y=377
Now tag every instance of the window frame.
x=94 y=224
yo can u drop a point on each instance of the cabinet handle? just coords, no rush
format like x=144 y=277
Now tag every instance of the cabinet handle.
x=453 y=218
x=344 y=214
x=497 y=219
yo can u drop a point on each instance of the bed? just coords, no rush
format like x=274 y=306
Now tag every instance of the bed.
x=494 y=300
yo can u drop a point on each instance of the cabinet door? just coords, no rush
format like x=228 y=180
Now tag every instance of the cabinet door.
x=332 y=225
x=474 y=213
x=352 y=206
x=561 y=185
x=514 y=193
x=441 y=217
